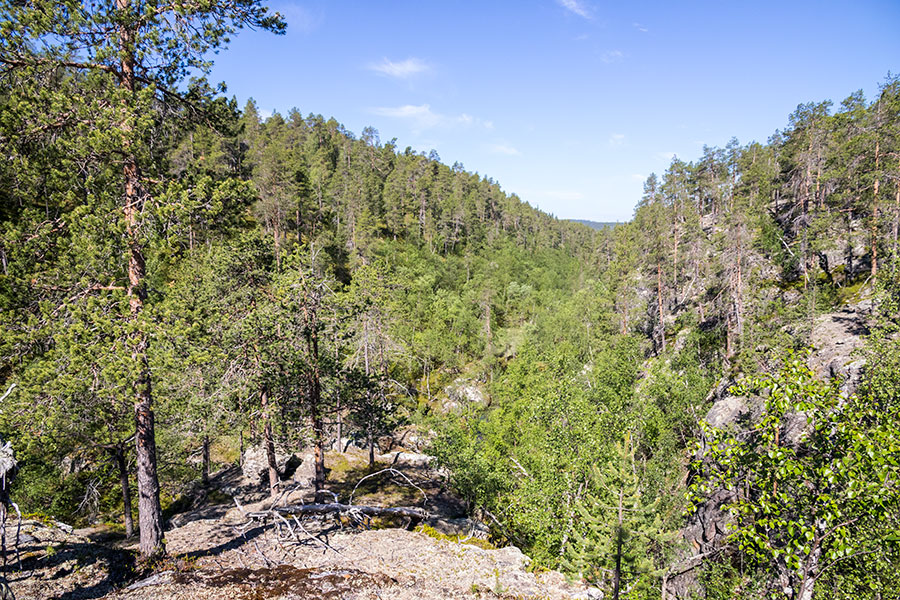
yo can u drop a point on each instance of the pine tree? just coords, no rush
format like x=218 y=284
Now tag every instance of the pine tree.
x=128 y=56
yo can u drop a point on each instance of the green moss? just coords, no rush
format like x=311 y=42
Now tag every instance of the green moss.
x=851 y=293
x=41 y=518
x=457 y=539
x=339 y=464
x=225 y=451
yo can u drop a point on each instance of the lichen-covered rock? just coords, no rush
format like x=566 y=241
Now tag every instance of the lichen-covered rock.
x=461 y=527
x=305 y=472
x=463 y=392
x=835 y=337
x=726 y=411
x=8 y=469
x=255 y=464
x=412 y=459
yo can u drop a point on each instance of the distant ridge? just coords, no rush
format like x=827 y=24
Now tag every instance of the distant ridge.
x=595 y=224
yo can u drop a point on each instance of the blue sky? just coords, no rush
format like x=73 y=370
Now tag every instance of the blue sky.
x=568 y=103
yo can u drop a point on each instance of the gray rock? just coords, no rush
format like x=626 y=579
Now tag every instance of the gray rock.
x=835 y=338
x=63 y=526
x=463 y=392
x=206 y=513
x=726 y=411
x=512 y=557
x=796 y=426
x=255 y=464
x=305 y=473
x=72 y=465
x=413 y=438
x=412 y=459
x=590 y=593
x=461 y=527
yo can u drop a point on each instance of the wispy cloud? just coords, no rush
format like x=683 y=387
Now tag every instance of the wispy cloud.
x=667 y=155
x=403 y=69
x=617 y=139
x=300 y=18
x=421 y=117
x=637 y=177
x=505 y=149
x=612 y=56
x=576 y=6
x=640 y=27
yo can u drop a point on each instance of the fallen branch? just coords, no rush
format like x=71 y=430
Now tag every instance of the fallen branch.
x=8 y=392
x=335 y=507
x=315 y=538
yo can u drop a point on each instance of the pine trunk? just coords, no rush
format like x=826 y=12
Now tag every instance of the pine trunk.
x=874 y=229
x=804 y=209
x=340 y=427
x=659 y=299
x=269 y=443
x=315 y=401
x=617 y=574
x=675 y=262
x=897 y=220
x=122 y=468
x=205 y=468
x=149 y=508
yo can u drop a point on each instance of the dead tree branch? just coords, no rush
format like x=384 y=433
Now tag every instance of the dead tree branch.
x=337 y=508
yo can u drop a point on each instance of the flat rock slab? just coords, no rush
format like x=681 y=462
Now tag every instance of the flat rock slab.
x=387 y=564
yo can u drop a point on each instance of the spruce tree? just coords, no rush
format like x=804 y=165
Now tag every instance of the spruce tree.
x=619 y=528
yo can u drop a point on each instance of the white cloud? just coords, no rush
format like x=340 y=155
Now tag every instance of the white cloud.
x=506 y=149
x=612 y=56
x=577 y=7
x=617 y=139
x=637 y=177
x=300 y=18
x=422 y=117
x=400 y=70
x=640 y=27
x=667 y=155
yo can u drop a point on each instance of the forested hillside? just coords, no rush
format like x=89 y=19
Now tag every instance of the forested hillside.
x=598 y=455
x=183 y=280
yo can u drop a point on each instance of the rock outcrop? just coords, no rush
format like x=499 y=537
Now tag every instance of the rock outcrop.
x=462 y=393
x=298 y=467
x=835 y=338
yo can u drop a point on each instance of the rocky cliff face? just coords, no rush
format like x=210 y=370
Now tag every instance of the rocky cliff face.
x=835 y=338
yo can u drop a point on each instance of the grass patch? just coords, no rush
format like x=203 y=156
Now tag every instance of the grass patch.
x=41 y=518
x=386 y=489
x=457 y=539
x=850 y=294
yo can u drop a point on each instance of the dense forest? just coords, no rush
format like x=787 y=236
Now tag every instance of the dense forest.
x=181 y=279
